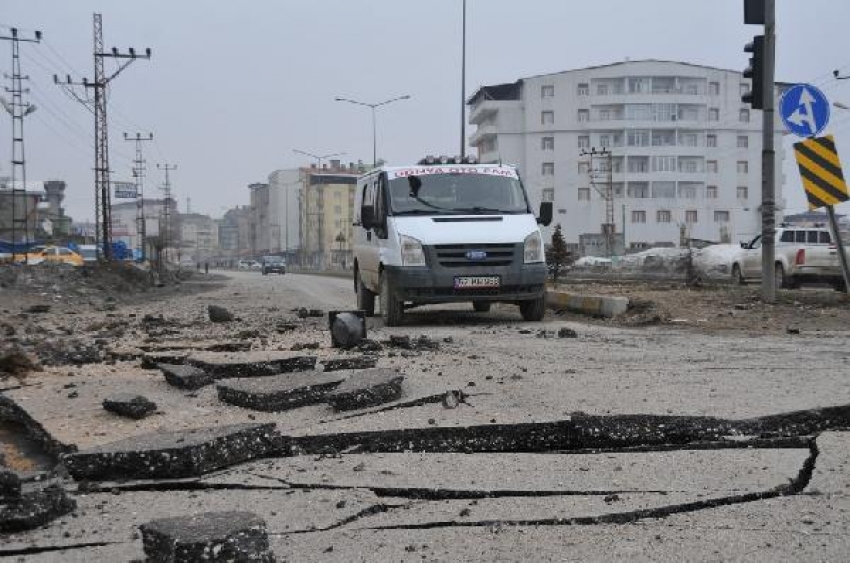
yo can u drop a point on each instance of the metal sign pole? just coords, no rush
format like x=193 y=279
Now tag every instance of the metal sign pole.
x=842 y=257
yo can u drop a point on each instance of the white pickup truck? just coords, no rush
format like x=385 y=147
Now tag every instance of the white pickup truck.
x=803 y=255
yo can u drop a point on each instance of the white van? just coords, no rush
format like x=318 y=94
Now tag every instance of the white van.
x=441 y=232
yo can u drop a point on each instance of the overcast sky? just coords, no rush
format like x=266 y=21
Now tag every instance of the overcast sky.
x=233 y=87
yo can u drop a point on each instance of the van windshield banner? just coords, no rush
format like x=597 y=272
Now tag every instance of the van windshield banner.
x=428 y=170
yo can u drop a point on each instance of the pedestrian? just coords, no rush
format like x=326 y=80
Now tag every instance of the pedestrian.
x=206 y=267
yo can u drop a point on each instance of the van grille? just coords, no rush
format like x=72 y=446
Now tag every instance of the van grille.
x=454 y=255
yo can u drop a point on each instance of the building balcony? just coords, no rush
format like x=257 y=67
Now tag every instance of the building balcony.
x=485 y=109
x=481 y=133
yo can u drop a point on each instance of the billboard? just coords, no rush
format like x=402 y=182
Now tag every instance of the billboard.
x=125 y=190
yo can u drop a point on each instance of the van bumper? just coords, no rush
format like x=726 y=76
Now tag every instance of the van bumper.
x=423 y=285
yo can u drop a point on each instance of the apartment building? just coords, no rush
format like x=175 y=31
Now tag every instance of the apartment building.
x=198 y=236
x=326 y=205
x=671 y=142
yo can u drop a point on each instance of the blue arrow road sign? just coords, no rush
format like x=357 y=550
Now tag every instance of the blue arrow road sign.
x=804 y=110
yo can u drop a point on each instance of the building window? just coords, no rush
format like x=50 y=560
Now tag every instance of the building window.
x=584 y=194
x=547 y=169
x=602 y=89
x=744 y=116
x=547 y=117
x=547 y=143
x=689 y=139
x=691 y=216
x=663 y=163
x=721 y=216
x=584 y=168
x=547 y=91
x=638 y=190
x=604 y=141
x=583 y=89
x=584 y=142
x=711 y=192
x=743 y=167
x=714 y=88
x=743 y=142
x=663 y=216
x=604 y=114
x=711 y=166
x=711 y=141
x=743 y=192
x=583 y=115
x=713 y=114
x=638 y=216
x=637 y=138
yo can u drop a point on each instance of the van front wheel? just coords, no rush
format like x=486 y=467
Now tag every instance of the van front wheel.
x=392 y=310
x=533 y=310
x=365 y=298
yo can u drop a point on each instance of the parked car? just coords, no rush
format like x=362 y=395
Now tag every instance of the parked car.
x=273 y=265
x=802 y=255
x=245 y=264
x=56 y=254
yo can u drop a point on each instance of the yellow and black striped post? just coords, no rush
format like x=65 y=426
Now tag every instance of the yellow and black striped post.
x=820 y=170
x=823 y=181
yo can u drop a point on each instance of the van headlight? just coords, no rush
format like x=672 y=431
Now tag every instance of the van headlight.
x=533 y=248
x=412 y=253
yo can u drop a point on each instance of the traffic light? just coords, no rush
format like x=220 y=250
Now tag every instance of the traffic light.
x=755 y=72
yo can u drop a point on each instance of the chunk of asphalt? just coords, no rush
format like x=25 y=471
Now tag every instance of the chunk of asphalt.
x=235 y=367
x=209 y=536
x=151 y=360
x=185 y=377
x=185 y=453
x=219 y=314
x=34 y=509
x=366 y=388
x=355 y=362
x=278 y=392
x=348 y=328
x=129 y=405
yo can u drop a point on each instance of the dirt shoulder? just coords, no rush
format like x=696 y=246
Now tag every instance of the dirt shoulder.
x=721 y=308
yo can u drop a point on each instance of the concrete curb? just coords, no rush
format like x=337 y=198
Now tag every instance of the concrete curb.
x=594 y=305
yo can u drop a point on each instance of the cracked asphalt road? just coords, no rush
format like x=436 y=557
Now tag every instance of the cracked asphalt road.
x=768 y=502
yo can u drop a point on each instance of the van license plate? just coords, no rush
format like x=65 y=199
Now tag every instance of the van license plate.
x=477 y=282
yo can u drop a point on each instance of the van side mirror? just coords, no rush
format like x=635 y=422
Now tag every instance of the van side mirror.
x=545 y=217
x=367 y=216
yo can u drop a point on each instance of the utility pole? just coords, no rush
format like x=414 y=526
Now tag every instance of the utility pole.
x=164 y=234
x=102 y=196
x=463 y=88
x=601 y=166
x=762 y=72
x=139 y=174
x=18 y=110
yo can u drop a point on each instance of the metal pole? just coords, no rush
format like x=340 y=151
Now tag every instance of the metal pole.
x=374 y=139
x=463 y=89
x=768 y=197
x=842 y=257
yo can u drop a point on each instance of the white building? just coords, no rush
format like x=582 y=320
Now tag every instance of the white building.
x=685 y=152
x=283 y=210
x=198 y=237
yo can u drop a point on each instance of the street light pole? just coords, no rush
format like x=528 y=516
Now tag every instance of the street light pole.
x=374 y=126
x=317 y=157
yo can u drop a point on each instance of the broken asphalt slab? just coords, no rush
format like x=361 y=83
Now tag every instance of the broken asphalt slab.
x=580 y=432
x=279 y=392
x=184 y=376
x=366 y=388
x=129 y=405
x=173 y=454
x=209 y=536
x=31 y=509
x=251 y=364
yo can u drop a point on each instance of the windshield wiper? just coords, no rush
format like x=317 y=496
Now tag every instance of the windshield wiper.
x=478 y=209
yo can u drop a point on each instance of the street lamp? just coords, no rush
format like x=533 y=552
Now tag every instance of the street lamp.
x=317 y=157
x=372 y=107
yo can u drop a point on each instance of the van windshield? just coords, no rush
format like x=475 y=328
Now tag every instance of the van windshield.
x=454 y=194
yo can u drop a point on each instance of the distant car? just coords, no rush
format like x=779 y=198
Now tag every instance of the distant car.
x=255 y=265
x=55 y=254
x=273 y=265
x=244 y=264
